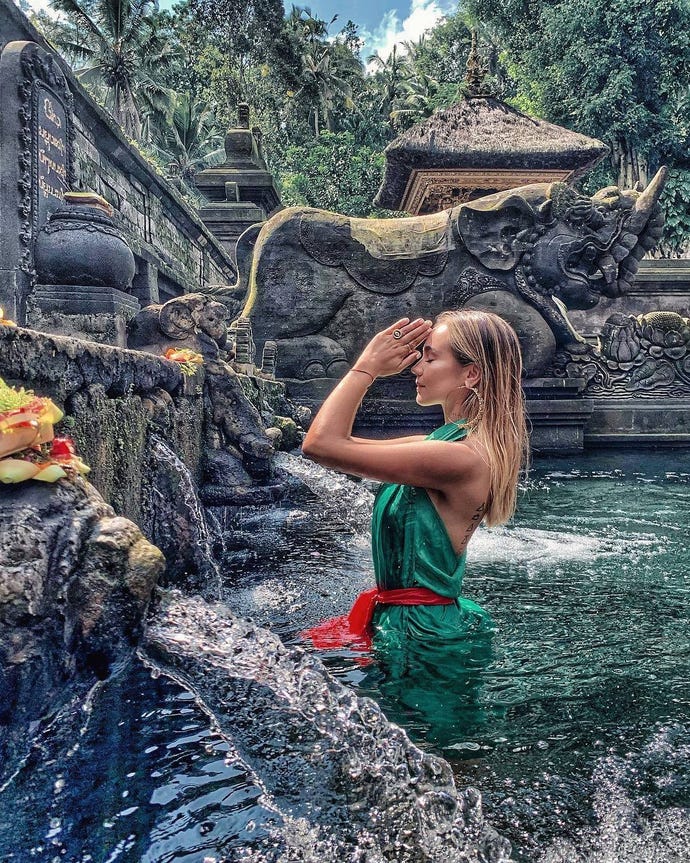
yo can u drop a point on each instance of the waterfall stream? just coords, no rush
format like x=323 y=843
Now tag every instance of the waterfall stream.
x=195 y=512
x=341 y=779
x=341 y=496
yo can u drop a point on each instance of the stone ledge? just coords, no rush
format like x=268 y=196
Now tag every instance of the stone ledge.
x=84 y=300
x=637 y=440
x=551 y=389
x=68 y=365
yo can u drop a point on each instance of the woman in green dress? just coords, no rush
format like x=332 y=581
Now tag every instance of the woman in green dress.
x=435 y=490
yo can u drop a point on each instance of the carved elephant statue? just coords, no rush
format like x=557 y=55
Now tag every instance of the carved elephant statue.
x=529 y=253
x=193 y=321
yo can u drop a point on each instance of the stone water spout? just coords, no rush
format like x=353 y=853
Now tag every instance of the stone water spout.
x=194 y=321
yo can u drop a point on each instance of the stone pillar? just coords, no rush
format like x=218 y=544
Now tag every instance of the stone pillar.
x=268 y=359
x=145 y=284
x=36 y=145
x=244 y=347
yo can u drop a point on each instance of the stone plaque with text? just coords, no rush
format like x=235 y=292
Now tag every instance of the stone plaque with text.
x=36 y=152
x=50 y=152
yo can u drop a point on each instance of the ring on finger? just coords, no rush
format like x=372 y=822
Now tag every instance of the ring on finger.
x=397 y=334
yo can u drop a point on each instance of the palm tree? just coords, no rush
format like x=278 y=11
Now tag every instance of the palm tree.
x=122 y=53
x=413 y=50
x=417 y=102
x=327 y=68
x=389 y=78
x=325 y=84
x=306 y=26
x=190 y=138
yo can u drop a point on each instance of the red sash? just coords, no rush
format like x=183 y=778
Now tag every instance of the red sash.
x=354 y=629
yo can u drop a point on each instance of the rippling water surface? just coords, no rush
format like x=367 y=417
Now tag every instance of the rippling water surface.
x=576 y=730
x=575 y=727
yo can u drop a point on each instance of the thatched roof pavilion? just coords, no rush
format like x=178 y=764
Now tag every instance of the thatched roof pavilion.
x=477 y=147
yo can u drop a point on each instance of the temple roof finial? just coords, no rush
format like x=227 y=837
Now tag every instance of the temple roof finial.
x=474 y=77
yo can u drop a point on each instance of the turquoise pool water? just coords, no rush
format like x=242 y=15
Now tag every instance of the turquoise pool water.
x=575 y=729
x=588 y=686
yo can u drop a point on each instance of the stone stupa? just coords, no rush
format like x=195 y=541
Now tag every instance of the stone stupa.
x=241 y=192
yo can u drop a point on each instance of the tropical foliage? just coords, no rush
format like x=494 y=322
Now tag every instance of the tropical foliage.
x=615 y=69
x=618 y=70
x=333 y=173
x=122 y=54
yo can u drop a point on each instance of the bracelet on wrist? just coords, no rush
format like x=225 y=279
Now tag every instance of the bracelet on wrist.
x=365 y=372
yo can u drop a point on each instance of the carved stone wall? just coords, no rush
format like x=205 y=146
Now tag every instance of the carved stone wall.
x=660 y=285
x=174 y=251
x=152 y=436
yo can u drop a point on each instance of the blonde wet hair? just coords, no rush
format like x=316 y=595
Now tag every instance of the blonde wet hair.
x=495 y=413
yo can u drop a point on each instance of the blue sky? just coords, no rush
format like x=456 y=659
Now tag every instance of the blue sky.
x=382 y=23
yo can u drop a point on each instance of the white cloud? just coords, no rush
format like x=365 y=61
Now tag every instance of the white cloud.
x=391 y=31
x=44 y=6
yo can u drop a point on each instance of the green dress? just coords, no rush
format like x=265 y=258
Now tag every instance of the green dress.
x=431 y=657
x=411 y=548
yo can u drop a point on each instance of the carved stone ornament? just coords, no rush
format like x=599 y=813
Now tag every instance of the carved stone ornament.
x=81 y=245
x=44 y=147
x=432 y=189
x=352 y=244
x=326 y=282
x=645 y=356
x=471 y=283
x=193 y=321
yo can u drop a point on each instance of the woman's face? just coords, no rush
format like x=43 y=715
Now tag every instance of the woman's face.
x=438 y=373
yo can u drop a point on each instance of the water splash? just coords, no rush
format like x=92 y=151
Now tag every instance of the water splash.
x=630 y=792
x=346 y=499
x=533 y=544
x=352 y=785
x=352 y=502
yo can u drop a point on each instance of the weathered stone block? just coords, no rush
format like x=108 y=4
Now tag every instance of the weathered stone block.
x=75 y=583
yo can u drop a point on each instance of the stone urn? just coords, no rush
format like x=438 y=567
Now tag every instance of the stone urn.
x=80 y=245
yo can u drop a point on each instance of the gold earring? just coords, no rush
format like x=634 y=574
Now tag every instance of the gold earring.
x=474 y=422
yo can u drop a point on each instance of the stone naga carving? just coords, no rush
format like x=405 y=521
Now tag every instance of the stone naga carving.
x=647 y=354
x=193 y=321
x=320 y=283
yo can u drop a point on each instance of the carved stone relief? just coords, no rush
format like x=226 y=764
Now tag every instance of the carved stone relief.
x=642 y=357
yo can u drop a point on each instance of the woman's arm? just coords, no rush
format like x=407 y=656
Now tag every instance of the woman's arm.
x=427 y=464
x=412 y=461
x=385 y=355
x=416 y=438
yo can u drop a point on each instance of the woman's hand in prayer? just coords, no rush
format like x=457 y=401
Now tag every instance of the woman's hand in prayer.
x=394 y=349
